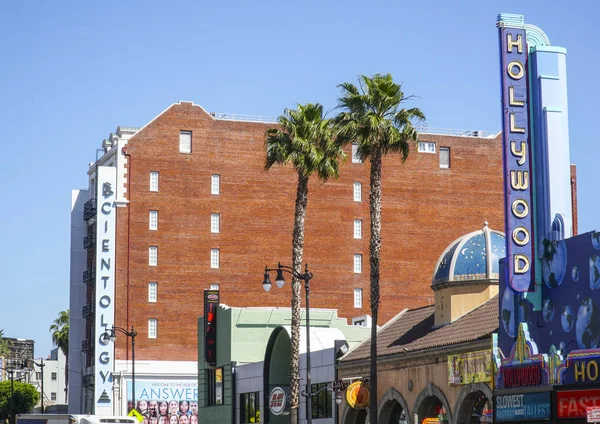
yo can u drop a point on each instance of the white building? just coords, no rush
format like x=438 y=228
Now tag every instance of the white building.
x=54 y=379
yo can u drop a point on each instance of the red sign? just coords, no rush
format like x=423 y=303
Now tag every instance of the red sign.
x=529 y=375
x=574 y=403
x=278 y=401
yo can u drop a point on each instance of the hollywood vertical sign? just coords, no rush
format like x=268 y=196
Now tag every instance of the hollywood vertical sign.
x=517 y=159
x=105 y=289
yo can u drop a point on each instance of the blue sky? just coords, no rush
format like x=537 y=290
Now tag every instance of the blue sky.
x=72 y=72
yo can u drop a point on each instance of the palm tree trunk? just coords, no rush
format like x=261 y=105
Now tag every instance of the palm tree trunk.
x=297 y=252
x=374 y=250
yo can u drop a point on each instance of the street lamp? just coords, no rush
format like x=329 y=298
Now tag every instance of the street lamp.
x=335 y=387
x=112 y=335
x=280 y=281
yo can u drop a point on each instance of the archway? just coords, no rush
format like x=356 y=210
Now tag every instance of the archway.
x=276 y=370
x=392 y=409
x=354 y=416
x=474 y=404
x=432 y=403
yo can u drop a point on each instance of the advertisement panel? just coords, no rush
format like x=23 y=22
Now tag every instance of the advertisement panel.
x=105 y=289
x=470 y=367
x=211 y=306
x=522 y=407
x=162 y=399
x=574 y=403
x=517 y=160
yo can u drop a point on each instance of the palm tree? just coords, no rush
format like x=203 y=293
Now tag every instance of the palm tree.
x=305 y=141
x=60 y=338
x=372 y=118
x=4 y=345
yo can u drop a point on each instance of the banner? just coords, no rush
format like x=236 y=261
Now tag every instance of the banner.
x=165 y=401
x=470 y=367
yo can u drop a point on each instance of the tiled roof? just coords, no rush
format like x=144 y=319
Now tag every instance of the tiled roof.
x=412 y=331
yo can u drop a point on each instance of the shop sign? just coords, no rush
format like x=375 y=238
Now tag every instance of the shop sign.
x=593 y=414
x=574 y=403
x=527 y=375
x=522 y=407
x=278 y=402
x=581 y=367
x=470 y=367
x=211 y=305
x=357 y=395
x=517 y=159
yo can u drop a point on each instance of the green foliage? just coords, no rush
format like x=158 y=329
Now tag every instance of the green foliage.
x=5 y=345
x=25 y=398
x=60 y=332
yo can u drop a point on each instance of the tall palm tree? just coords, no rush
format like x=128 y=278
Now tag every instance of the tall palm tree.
x=305 y=141
x=372 y=117
x=60 y=338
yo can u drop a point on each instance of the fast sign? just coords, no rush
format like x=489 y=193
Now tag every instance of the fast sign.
x=574 y=403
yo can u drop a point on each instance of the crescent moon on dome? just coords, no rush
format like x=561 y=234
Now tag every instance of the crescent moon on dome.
x=462 y=252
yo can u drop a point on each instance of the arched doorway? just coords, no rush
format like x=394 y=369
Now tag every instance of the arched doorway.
x=474 y=404
x=355 y=416
x=432 y=403
x=392 y=409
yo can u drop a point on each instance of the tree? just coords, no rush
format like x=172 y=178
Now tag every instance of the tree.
x=305 y=141
x=60 y=338
x=24 y=399
x=372 y=118
x=5 y=345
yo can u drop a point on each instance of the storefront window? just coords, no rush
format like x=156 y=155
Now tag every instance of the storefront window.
x=249 y=408
x=321 y=402
x=215 y=387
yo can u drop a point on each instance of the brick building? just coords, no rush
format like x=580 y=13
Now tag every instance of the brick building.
x=194 y=208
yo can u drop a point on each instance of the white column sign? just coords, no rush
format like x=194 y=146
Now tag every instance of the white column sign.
x=105 y=289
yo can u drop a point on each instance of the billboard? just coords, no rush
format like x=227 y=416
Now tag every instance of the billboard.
x=470 y=367
x=105 y=289
x=522 y=407
x=160 y=400
x=518 y=205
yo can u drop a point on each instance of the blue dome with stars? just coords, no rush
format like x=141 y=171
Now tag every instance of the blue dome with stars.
x=472 y=257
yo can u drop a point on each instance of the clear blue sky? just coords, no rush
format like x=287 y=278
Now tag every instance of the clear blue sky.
x=73 y=71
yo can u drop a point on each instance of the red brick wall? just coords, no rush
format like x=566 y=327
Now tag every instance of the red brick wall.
x=424 y=209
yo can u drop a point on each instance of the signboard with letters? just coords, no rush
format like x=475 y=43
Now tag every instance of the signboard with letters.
x=211 y=306
x=574 y=403
x=522 y=407
x=470 y=367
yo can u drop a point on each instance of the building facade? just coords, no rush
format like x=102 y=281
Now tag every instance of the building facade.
x=184 y=204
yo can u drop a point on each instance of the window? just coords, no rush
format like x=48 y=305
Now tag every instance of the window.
x=215 y=386
x=38 y=376
x=321 y=402
x=185 y=142
x=358 y=298
x=53 y=396
x=53 y=376
x=357 y=264
x=214 y=258
x=215 y=287
x=153 y=219
x=152 y=328
x=355 y=156
x=153 y=181
x=357 y=192
x=249 y=408
x=153 y=256
x=152 y=291
x=357 y=228
x=444 y=157
x=426 y=147
x=215 y=225
x=215 y=183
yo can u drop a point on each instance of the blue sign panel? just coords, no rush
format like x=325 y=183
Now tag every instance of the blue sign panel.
x=518 y=207
x=522 y=407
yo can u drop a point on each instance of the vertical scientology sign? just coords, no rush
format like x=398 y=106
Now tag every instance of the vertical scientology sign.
x=517 y=159
x=105 y=289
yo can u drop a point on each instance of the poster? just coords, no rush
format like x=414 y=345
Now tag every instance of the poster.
x=165 y=401
x=470 y=367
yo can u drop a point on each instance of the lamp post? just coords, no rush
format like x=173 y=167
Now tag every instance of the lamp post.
x=280 y=281
x=335 y=387
x=112 y=335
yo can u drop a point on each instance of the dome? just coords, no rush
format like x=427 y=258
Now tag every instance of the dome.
x=472 y=257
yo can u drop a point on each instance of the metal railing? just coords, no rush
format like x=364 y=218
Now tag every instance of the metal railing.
x=86 y=345
x=89 y=209
x=242 y=117
x=89 y=277
x=87 y=311
x=89 y=241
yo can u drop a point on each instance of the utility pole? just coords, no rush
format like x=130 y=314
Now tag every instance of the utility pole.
x=41 y=365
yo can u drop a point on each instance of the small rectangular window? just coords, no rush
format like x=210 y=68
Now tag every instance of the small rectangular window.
x=215 y=387
x=152 y=328
x=357 y=228
x=358 y=298
x=152 y=292
x=426 y=147
x=53 y=376
x=215 y=225
x=214 y=258
x=154 y=181
x=153 y=256
x=214 y=286
x=53 y=396
x=185 y=142
x=250 y=408
x=38 y=376
x=357 y=264
x=153 y=220
x=355 y=156
x=215 y=184
x=357 y=192
x=444 y=157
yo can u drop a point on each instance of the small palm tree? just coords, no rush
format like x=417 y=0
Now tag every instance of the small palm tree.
x=305 y=141
x=4 y=345
x=60 y=338
x=372 y=117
